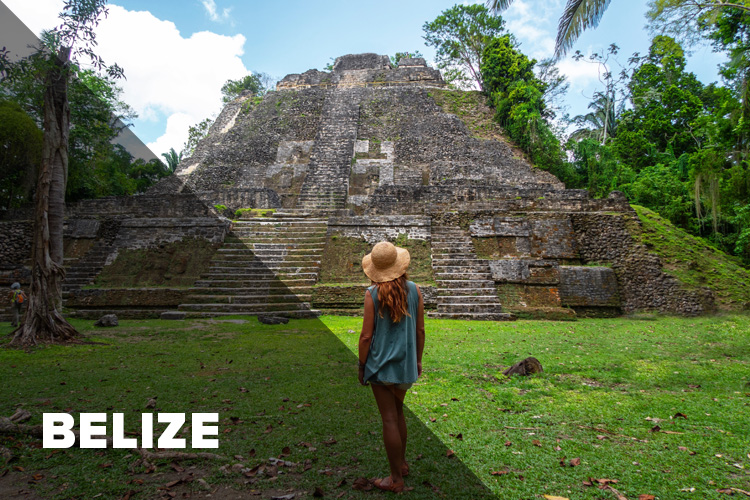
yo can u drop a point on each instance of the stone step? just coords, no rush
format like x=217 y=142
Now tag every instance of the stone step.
x=469 y=308
x=247 y=299
x=473 y=316
x=246 y=308
x=251 y=283
x=467 y=299
x=271 y=244
x=461 y=268
x=462 y=283
x=244 y=234
x=467 y=276
x=232 y=266
x=295 y=314
x=466 y=292
x=261 y=274
x=270 y=252
x=248 y=259
x=268 y=291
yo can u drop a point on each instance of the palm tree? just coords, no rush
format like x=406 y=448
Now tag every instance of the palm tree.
x=577 y=16
x=173 y=159
x=600 y=123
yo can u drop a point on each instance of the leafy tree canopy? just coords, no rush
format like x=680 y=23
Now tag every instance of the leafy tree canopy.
x=256 y=84
x=460 y=36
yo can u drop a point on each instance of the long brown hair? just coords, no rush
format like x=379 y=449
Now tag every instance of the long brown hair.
x=392 y=297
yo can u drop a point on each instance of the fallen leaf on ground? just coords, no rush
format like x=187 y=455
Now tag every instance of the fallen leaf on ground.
x=536 y=442
x=619 y=495
x=498 y=472
x=575 y=462
x=552 y=497
x=450 y=454
x=361 y=484
x=646 y=497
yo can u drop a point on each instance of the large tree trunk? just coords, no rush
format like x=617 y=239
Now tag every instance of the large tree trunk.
x=43 y=322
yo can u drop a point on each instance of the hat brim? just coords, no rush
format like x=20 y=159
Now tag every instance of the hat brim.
x=394 y=271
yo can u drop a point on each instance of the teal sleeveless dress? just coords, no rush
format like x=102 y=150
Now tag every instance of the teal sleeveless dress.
x=393 y=349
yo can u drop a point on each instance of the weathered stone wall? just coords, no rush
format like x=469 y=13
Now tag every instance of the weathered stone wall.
x=339 y=298
x=366 y=69
x=139 y=298
x=642 y=283
x=15 y=242
x=375 y=229
x=491 y=199
x=251 y=141
x=145 y=233
x=174 y=205
x=588 y=287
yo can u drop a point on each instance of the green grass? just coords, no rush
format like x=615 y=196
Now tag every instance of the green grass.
x=694 y=261
x=605 y=382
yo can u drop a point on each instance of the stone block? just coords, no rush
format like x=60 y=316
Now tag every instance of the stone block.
x=173 y=315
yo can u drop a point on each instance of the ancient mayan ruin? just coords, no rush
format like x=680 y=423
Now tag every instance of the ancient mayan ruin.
x=278 y=204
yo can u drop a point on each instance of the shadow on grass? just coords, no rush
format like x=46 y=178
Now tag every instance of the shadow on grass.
x=286 y=391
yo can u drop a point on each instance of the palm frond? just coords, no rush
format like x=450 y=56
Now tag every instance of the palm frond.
x=578 y=15
x=496 y=6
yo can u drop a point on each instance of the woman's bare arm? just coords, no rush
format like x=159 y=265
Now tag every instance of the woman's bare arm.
x=368 y=325
x=420 y=331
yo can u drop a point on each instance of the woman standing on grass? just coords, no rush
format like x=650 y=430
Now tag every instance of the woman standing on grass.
x=390 y=348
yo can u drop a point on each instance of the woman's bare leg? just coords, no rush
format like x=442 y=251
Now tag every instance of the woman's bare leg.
x=388 y=405
x=400 y=394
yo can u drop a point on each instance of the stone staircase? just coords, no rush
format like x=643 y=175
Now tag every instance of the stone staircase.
x=466 y=289
x=267 y=265
x=83 y=271
x=326 y=184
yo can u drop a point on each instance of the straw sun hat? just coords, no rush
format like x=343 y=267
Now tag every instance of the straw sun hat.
x=386 y=262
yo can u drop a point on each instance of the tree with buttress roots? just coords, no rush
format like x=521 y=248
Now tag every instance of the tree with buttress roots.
x=62 y=47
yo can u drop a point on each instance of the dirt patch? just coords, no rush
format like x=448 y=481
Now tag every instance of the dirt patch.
x=16 y=485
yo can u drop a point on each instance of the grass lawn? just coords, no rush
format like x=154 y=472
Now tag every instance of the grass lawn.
x=658 y=404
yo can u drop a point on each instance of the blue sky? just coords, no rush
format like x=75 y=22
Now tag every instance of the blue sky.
x=176 y=54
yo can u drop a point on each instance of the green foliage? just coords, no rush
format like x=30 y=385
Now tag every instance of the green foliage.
x=518 y=97
x=256 y=84
x=404 y=55
x=695 y=261
x=196 y=133
x=679 y=149
x=20 y=154
x=460 y=35
x=254 y=212
x=172 y=159
x=96 y=166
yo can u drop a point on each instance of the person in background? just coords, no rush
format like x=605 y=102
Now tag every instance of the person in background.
x=17 y=299
x=390 y=348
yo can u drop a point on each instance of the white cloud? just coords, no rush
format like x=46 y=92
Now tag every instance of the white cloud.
x=166 y=73
x=534 y=24
x=582 y=75
x=37 y=15
x=213 y=13
x=176 y=134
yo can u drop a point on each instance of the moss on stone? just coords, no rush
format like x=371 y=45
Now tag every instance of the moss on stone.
x=342 y=260
x=177 y=264
x=693 y=260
